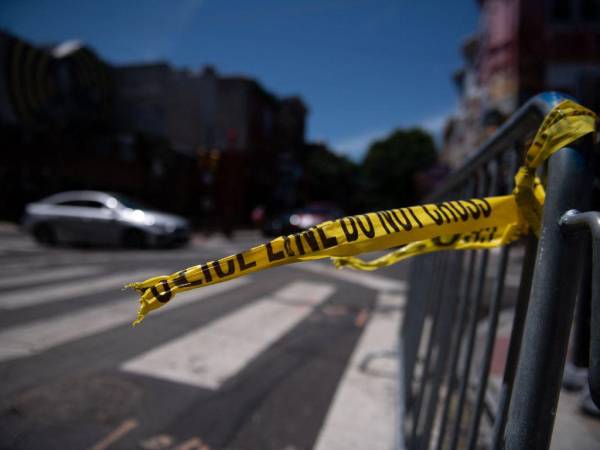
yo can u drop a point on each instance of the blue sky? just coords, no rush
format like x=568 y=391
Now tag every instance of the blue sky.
x=363 y=67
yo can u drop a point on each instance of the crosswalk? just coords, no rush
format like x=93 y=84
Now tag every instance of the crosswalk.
x=367 y=393
x=48 y=275
x=67 y=290
x=209 y=355
x=40 y=335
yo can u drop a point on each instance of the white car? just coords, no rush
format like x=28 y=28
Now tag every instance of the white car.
x=95 y=217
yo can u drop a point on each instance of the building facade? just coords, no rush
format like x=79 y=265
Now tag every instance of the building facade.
x=522 y=48
x=198 y=143
x=246 y=140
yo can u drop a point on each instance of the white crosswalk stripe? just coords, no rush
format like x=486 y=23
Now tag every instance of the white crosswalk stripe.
x=40 y=335
x=362 y=414
x=7 y=247
x=48 y=275
x=209 y=356
x=72 y=289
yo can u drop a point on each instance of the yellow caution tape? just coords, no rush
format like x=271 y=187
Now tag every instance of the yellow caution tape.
x=478 y=223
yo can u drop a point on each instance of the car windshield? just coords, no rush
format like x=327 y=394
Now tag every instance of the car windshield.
x=130 y=202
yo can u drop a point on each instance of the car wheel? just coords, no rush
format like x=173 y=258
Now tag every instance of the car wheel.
x=134 y=239
x=44 y=234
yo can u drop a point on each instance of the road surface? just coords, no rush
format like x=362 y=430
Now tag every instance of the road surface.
x=270 y=361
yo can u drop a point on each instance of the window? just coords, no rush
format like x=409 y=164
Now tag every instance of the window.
x=129 y=202
x=590 y=10
x=82 y=203
x=561 y=10
x=570 y=12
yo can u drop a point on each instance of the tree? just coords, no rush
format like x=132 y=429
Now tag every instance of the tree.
x=391 y=164
x=330 y=177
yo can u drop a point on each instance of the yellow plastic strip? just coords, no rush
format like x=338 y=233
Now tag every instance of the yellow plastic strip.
x=475 y=240
x=347 y=236
x=564 y=124
x=453 y=225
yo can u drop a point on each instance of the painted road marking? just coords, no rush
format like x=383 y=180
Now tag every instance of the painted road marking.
x=363 y=412
x=116 y=434
x=40 y=335
x=192 y=444
x=73 y=289
x=209 y=356
x=48 y=275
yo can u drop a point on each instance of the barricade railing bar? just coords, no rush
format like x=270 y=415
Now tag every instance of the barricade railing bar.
x=485 y=332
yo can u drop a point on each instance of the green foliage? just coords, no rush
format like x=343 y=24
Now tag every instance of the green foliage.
x=390 y=166
x=384 y=179
x=330 y=178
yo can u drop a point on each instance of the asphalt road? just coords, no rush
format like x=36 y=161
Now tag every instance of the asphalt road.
x=271 y=361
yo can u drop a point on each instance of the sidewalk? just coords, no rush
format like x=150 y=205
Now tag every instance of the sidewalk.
x=572 y=428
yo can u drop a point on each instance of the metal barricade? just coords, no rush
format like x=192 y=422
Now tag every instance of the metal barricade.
x=452 y=394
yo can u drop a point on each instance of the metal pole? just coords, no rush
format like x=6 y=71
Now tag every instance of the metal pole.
x=539 y=372
x=573 y=222
x=516 y=336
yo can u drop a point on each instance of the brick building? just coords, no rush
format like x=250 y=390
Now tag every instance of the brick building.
x=245 y=139
x=521 y=49
x=208 y=146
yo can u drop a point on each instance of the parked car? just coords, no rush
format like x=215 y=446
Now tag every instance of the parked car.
x=300 y=219
x=93 y=217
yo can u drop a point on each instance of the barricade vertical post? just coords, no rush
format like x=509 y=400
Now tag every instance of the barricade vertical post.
x=464 y=402
x=550 y=313
x=516 y=336
x=589 y=293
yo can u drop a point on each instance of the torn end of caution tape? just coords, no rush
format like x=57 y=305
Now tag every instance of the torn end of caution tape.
x=153 y=295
